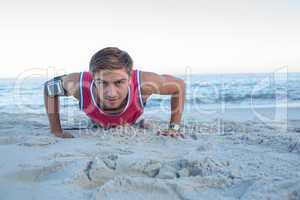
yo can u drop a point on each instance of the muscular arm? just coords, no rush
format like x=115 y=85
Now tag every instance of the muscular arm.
x=152 y=83
x=71 y=86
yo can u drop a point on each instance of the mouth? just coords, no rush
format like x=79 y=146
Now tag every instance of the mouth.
x=112 y=100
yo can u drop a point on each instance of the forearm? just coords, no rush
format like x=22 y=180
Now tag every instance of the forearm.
x=175 y=111
x=52 y=109
x=177 y=103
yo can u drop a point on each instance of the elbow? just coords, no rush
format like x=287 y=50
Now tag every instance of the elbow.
x=182 y=86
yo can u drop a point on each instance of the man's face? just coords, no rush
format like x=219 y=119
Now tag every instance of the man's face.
x=112 y=87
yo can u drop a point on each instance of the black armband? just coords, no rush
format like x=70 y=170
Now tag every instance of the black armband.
x=54 y=87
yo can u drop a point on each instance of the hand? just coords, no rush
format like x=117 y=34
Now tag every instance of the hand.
x=170 y=132
x=64 y=135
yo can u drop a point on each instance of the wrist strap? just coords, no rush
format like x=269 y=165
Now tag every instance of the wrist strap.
x=175 y=127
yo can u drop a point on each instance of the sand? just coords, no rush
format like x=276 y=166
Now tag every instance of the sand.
x=237 y=160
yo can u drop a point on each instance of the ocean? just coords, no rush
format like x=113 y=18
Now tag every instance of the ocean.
x=235 y=97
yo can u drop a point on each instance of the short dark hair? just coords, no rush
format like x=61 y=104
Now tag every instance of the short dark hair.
x=111 y=58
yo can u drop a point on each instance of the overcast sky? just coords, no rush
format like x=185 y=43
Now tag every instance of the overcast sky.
x=208 y=36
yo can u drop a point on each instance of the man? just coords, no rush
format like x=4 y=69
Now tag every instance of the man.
x=112 y=93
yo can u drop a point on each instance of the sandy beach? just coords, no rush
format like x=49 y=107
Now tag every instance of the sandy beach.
x=238 y=160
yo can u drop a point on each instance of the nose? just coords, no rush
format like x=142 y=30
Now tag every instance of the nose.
x=111 y=92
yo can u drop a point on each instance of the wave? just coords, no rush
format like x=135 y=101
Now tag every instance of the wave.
x=211 y=89
x=228 y=98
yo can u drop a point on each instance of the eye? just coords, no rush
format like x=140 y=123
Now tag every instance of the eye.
x=101 y=83
x=119 y=82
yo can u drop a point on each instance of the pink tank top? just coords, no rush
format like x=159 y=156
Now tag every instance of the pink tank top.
x=133 y=110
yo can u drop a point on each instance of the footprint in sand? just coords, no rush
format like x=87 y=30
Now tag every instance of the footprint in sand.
x=100 y=170
x=37 y=173
x=135 y=188
x=38 y=141
x=185 y=168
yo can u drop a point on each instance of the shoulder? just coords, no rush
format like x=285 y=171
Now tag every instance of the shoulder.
x=152 y=82
x=71 y=84
x=149 y=76
x=72 y=77
x=152 y=77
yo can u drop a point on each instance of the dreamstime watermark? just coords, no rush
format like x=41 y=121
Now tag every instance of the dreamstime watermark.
x=197 y=100
x=278 y=81
x=23 y=92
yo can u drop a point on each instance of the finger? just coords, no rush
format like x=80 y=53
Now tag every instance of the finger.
x=160 y=132
x=174 y=135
